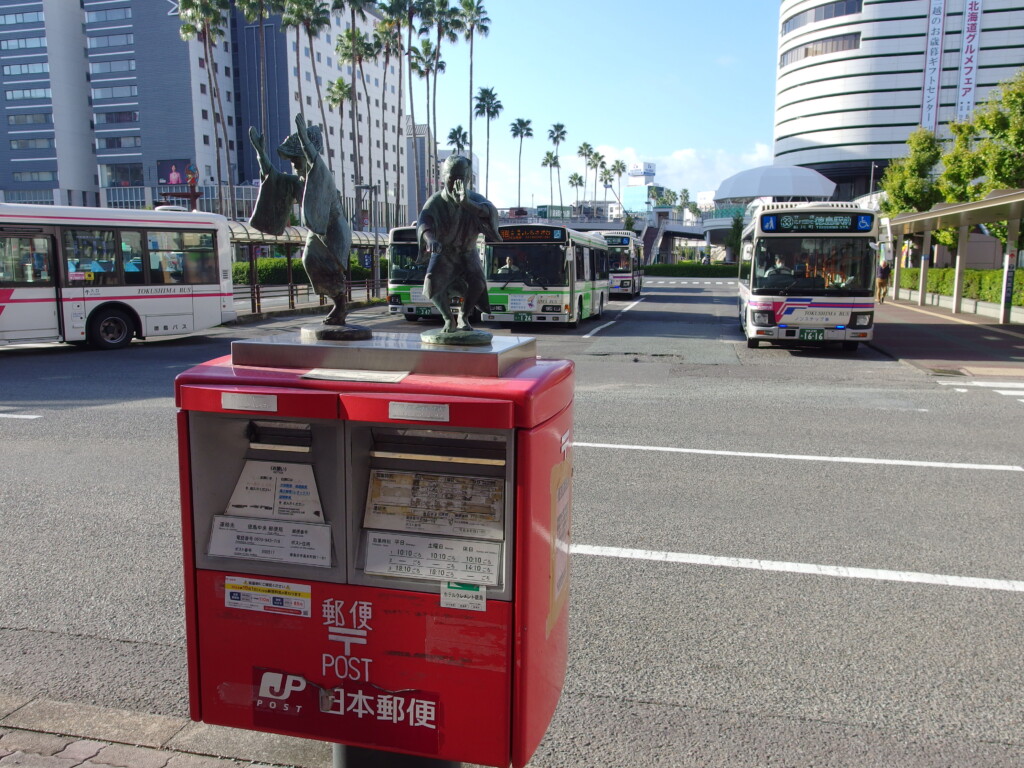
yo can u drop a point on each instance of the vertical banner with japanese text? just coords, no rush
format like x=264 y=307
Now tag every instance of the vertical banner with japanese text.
x=968 y=61
x=932 y=86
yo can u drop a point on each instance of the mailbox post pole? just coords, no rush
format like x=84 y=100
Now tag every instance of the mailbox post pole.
x=344 y=756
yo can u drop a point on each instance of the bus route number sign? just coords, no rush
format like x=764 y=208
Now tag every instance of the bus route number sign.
x=531 y=234
x=817 y=222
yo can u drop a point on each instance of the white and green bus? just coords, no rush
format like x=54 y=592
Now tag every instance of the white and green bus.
x=546 y=274
x=625 y=256
x=405 y=277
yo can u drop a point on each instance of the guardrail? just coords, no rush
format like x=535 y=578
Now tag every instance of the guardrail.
x=260 y=298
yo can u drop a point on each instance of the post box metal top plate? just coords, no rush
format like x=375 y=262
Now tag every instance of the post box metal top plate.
x=384 y=352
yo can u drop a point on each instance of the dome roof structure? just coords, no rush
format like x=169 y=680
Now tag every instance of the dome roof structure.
x=782 y=182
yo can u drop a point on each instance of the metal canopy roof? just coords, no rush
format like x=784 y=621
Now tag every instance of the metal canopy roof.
x=246 y=234
x=1001 y=205
x=776 y=181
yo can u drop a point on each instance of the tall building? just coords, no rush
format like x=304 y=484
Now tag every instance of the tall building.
x=106 y=105
x=856 y=77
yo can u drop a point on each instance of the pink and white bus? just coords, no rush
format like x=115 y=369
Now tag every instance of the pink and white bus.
x=104 y=276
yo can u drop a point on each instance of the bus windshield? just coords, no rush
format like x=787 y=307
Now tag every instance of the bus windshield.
x=787 y=265
x=403 y=266
x=618 y=260
x=534 y=264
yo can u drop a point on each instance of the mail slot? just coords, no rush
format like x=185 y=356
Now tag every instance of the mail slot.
x=376 y=542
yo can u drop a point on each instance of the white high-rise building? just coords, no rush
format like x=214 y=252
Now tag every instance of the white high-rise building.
x=856 y=77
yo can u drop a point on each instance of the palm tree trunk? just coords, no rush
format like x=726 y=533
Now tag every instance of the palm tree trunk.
x=319 y=98
x=412 y=116
x=263 y=70
x=471 y=37
x=212 y=85
x=384 y=143
x=369 y=144
x=487 y=184
x=357 y=173
x=519 y=181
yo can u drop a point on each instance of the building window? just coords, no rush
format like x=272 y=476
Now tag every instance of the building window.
x=820 y=48
x=32 y=143
x=30 y=118
x=110 y=41
x=206 y=114
x=34 y=176
x=114 y=65
x=20 y=43
x=103 y=118
x=202 y=88
x=21 y=18
x=116 y=92
x=36 y=68
x=202 y=63
x=114 y=14
x=820 y=13
x=121 y=175
x=118 y=142
x=27 y=93
x=206 y=140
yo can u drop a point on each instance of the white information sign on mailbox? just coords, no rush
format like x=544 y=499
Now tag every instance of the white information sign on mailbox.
x=433 y=558
x=275 y=541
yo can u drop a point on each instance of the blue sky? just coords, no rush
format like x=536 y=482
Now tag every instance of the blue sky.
x=686 y=85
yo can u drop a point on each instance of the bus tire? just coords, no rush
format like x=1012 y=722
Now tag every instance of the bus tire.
x=753 y=343
x=850 y=346
x=600 y=309
x=579 y=315
x=110 y=329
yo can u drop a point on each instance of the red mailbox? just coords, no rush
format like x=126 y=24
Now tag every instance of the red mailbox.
x=376 y=542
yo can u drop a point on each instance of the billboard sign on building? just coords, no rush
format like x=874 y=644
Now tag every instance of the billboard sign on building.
x=968 y=61
x=171 y=171
x=932 y=86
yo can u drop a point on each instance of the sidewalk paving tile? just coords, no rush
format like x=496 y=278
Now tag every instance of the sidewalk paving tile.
x=81 y=750
x=185 y=760
x=254 y=746
x=11 y=701
x=124 y=756
x=36 y=743
x=29 y=760
x=93 y=722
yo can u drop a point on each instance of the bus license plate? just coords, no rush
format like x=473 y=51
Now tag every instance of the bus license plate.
x=423 y=311
x=812 y=334
x=521 y=317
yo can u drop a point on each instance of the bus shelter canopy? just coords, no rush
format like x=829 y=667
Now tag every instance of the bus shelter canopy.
x=1000 y=205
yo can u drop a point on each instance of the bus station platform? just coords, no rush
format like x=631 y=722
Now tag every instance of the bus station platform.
x=939 y=342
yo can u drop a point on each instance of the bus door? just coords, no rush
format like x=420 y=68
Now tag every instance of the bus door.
x=29 y=293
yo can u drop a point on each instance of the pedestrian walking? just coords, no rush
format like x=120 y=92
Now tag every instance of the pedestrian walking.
x=882 y=281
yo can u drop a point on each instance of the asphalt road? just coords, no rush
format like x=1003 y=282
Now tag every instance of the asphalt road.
x=784 y=557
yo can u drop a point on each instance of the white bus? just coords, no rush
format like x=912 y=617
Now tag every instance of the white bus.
x=625 y=255
x=544 y=273
x=812 y=270
x=107 y=275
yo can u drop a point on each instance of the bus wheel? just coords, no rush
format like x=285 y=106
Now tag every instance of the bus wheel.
x=579 y=315
x=850 y=346
x=752 y=343
x=110 y=329
x=600 y=309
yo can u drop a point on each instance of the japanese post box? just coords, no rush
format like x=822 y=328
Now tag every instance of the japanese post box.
x=376 y=542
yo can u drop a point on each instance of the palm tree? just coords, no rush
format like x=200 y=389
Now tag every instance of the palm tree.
x=487 y=106
x=550 y=162
x=619 y=168
x=255 y=11
x=447 y=24
x=585 y=151
x=596 y=162
x=292 y=19
x=521 y=130
x=205 y=19
x=606 y=180
x=422 y=65
x=355 y=47
x=474 y=21
x=458 y=138
x=338 y=92
x=387 y=42
x=576 y=182
x=394 y=12
x=315 y=16
x=412 y=9
x=355 y=8
x=556 y=135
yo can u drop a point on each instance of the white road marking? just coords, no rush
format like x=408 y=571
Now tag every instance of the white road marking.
x=911 y=577
x=990 y=384
x=18 y=416
x=801 y=457
x=612 y=322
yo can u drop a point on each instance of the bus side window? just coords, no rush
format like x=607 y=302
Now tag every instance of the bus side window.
x=131 y=258
x=25 y=260
x=581 y=270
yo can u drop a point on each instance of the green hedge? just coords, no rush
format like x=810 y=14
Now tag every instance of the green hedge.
x=979 y=284
x=275 y=272
x=694 y=269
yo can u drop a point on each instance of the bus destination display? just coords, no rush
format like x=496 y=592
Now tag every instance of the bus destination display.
x=616 y=240
x=532 y=234
x=817 y=222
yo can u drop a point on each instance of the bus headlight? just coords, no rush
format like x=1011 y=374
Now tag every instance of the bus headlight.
x=394 y=298
x=763 y=318
x=862 y=319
